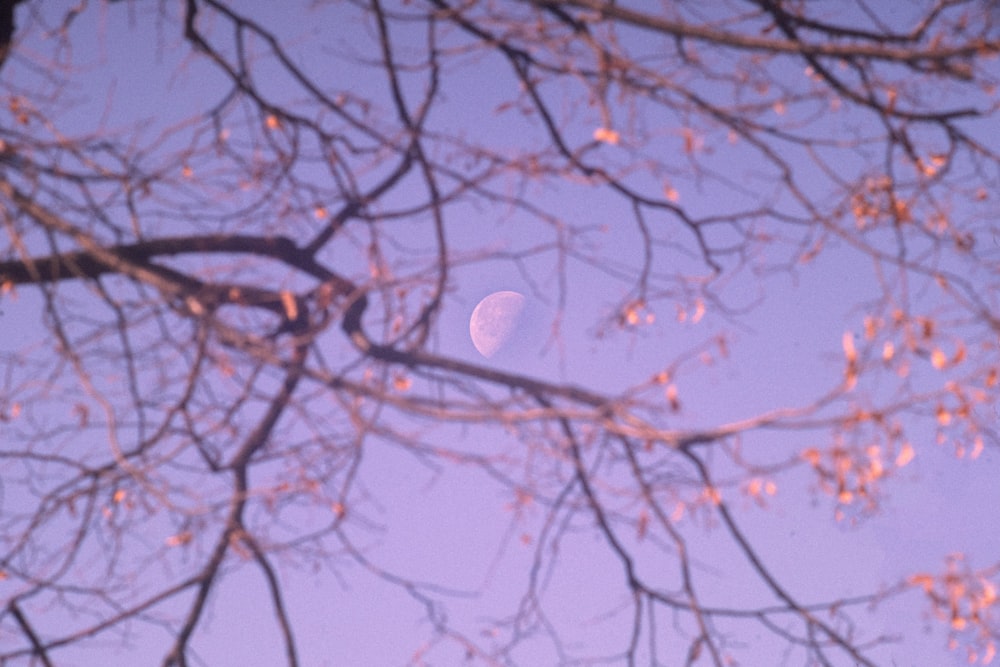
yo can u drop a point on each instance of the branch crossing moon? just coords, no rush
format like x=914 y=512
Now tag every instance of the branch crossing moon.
x=494 y=321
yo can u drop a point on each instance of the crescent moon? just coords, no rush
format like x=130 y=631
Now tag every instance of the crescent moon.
x=494 y=321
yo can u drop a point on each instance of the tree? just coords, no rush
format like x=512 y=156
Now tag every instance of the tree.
x=242 y=243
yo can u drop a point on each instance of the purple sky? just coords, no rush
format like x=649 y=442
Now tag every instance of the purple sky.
x=421 y=513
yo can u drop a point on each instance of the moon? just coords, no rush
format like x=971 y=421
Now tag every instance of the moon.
x=494 y=321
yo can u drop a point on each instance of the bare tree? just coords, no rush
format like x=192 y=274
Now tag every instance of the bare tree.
x=239 y=236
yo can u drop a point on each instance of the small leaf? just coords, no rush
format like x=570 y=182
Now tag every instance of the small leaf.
x=871 y=327
x=906 y=454
x=689 y=141
x=606 y=135
x=632 y=314
x=943 y=416
x=179 y=539
x=851 y=377
x=959 y=354
x=977 y=448
x=891 y=96
x=671 y=394
x=811 y=455
x=989 y=593
x=848 y=342
x=925 y=581
x=290 y=305
x=699 y=311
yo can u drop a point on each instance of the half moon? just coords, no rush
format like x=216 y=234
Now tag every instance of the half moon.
x=494 y=321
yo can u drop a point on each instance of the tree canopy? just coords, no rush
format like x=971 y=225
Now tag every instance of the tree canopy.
x=754 y=384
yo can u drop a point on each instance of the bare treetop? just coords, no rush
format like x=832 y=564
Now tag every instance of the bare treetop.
x=242 y=244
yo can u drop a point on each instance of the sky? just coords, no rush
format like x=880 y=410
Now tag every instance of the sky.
x=425 y=512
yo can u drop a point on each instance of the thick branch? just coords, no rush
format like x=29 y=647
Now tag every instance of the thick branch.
x=877 y=51
x=36 y=645
x=84 y=264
